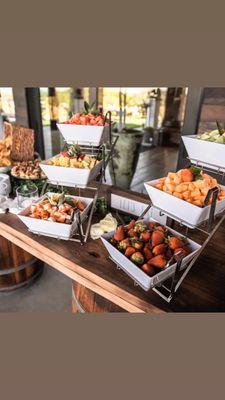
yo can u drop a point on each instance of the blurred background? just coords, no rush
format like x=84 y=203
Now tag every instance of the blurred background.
x=149 y=121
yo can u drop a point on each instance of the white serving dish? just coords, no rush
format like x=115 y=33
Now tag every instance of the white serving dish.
x=89 y=135
x=209 y=154
x=180 y=210
x=53 y=229
x=70 y=177
x=139 y=276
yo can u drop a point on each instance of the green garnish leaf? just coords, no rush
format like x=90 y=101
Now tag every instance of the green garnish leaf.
x=196 y=172
x=86 y=107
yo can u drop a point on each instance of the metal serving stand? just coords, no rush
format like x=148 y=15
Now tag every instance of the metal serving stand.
x=208 y=228
x=104 y=151
x=169 y=287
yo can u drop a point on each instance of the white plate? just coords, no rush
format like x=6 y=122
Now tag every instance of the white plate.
x=139 y=276
x=50 y=228
x=209 y=154
x=182 y=211
x=70 y=177
x=90 y=135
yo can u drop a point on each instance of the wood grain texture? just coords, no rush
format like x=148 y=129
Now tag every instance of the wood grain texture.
x=202 y=290
x=12 y=256
x=91 y=301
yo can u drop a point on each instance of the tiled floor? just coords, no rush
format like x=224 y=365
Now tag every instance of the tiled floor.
x=52 y=291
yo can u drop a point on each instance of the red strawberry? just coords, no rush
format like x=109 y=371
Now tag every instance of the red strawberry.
x=64 y=154
x=132 y=233
x=175 y=243
x=148 y=269
x=129 y=251
x=158 y=261
x=148 y=254
x=130 y=225
x=159 y=249
x=119 y=235
x=145 y=236
x=158 y=237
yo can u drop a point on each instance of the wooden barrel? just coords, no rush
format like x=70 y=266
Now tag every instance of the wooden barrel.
x=17 y=267
x=85 y=300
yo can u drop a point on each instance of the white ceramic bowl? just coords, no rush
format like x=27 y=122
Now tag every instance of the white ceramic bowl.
x=209 y=154
x=89 y=135
x=182 y=211
x=139 y=276
x=53 y=229
x=70 y=177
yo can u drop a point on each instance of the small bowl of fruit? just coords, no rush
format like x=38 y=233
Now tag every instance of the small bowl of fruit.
x=89 y=127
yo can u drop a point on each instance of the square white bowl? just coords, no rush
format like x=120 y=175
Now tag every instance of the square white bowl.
x=89 y=135
x=68 y=176
x=180 y=210
x=136 y=273
x=209 y=154
x=53 y=229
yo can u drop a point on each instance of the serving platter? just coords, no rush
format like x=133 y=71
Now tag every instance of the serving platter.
x=204 y=152
x=84 y=134
x=54 y=229
x=180 y=210
x=68 y=176
x=139 y=276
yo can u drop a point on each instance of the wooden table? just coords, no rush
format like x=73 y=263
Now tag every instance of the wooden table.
x=89 y=265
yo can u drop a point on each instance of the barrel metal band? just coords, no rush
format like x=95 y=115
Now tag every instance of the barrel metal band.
x=18 y=268
x=77 y=303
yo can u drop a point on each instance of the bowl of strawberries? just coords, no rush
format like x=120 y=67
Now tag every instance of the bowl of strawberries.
x=148 y=251
x=89 y=127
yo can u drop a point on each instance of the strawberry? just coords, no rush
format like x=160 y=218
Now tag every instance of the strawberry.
x=153 y=224
x=148 y=246
x=119 y=235
x=137 y=258
x=124 y=244
x=159 y=228
x=159 y=249
x=148 y=254
x=158 y=237
x=175 y=243
x=132 y=233
x=158 y=261
x=130 y=225
x=64 y=154
x=145 y=236
x=129 y=251
x=137 y=244
x=148 y=269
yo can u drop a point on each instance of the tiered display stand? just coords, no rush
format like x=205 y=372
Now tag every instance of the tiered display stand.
x=208 y=228
x=105 y=152
x=168 y=286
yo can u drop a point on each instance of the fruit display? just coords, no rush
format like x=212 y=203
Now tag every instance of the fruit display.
x=28 y=170
x=56 y=208
x=150 y=246
x=87 y=117
x=217 y=135
x=73 y=158
x=191 y=185
x=5 y=152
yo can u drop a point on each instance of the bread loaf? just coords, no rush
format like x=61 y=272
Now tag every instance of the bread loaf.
x=22 y=142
